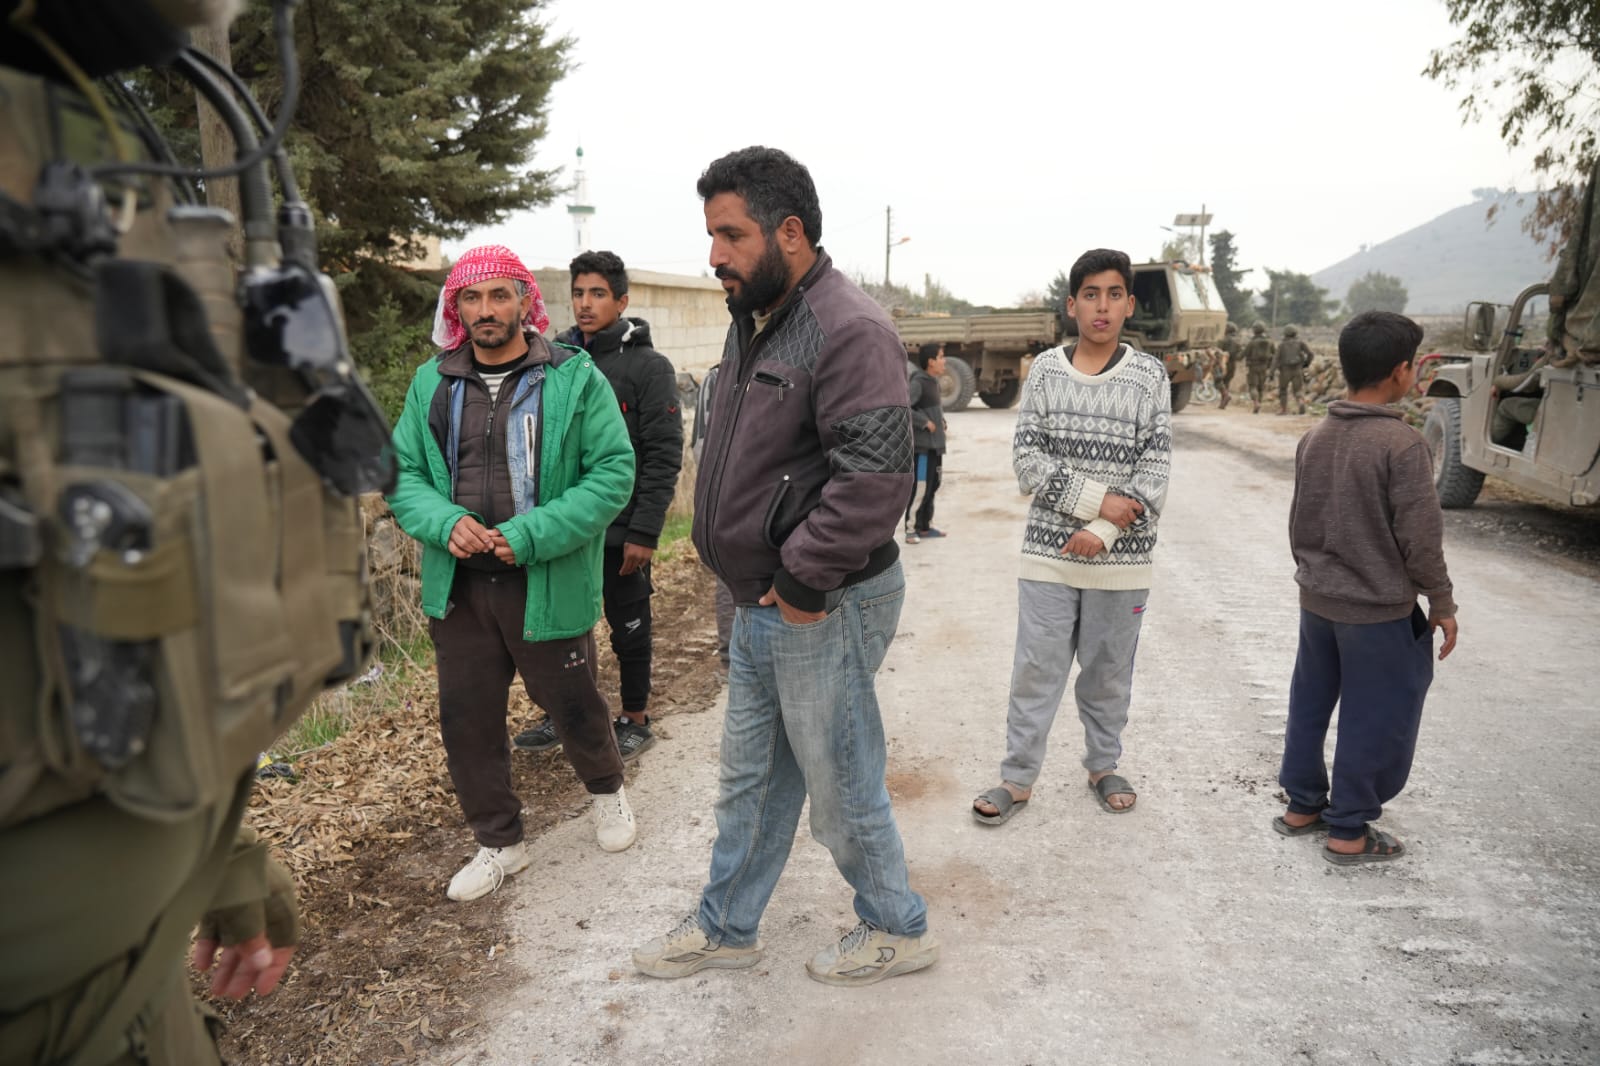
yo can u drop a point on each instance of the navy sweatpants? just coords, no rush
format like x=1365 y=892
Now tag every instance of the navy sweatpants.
x=1378 y=674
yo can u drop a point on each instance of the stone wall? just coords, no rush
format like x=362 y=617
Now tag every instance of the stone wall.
x=688 y=315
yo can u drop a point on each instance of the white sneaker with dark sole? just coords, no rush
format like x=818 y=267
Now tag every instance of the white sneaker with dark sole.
x=488 y=870
x=865 y=956
x=687 y=949
x=614 y=826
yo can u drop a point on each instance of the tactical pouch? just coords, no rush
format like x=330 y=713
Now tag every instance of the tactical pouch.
x=227 y=603
x=176 y=582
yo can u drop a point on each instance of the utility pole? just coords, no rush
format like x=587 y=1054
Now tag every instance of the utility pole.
x=889 y=242
x=216 y=143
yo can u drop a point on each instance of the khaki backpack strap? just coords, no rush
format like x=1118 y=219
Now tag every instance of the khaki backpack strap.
x=108 y=1037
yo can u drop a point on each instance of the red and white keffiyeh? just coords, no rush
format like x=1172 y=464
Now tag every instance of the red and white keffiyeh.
x=480 y=264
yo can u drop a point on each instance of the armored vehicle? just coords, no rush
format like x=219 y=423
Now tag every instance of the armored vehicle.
x=1178 y=316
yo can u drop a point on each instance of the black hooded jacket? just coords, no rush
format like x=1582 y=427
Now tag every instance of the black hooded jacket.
x=646 y=386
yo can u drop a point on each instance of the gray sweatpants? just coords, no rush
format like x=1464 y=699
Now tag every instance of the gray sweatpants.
x=1054 y=623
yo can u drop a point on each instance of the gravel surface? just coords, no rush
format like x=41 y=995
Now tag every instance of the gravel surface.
x=1183 y=932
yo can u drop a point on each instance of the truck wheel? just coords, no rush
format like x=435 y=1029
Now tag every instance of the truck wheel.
x=1005 y=395
x=1458 y=485
x=1181 y=391
x=956 y=384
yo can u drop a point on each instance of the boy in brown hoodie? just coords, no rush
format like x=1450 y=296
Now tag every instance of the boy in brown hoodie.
x=1366 y=530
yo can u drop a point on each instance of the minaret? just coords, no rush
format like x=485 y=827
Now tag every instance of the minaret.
x=580 y=210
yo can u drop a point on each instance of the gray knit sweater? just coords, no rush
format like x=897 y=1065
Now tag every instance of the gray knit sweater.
x=1078 y=437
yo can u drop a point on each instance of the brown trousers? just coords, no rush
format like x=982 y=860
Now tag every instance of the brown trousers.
x=480 y=649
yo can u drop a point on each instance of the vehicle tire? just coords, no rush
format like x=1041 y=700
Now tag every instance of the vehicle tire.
x=1181 y=391
x=1457 y=484
x=956 y=384
x=1005 y=395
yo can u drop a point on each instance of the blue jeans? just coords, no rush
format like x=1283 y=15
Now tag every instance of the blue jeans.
x=803 y=719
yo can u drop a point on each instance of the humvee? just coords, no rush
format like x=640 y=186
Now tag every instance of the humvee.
x=1553 y=453
x=1178 y=317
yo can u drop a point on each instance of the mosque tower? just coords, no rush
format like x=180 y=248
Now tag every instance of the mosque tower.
x=580 y=209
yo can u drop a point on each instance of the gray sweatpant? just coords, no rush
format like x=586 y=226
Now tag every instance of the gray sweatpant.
x=1054 y=623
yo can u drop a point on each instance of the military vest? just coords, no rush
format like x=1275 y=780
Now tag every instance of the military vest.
x=176 y=581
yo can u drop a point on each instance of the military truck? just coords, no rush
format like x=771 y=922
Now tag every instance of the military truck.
x=1517 y=410
x=1178 y=316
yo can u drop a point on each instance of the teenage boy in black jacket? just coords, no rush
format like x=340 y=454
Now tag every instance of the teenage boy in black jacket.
x=646 y=386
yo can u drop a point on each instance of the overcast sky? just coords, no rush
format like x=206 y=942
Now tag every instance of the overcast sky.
x=1013 y=138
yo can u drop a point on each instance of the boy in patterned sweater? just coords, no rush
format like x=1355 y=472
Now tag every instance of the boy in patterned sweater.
x=1093 y=447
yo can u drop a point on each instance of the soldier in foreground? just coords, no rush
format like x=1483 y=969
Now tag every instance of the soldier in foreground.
x=1258 y=364
x=1294 y=355
x=181 y=561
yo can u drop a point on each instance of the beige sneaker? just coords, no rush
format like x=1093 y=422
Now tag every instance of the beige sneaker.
x=687 y=949
x=613 y=822
x=865 y=956
x=487 y=870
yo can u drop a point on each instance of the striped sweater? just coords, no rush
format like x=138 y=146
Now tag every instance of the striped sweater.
x=1079 y=437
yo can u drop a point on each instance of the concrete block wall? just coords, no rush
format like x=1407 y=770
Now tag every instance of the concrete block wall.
x=688 y=315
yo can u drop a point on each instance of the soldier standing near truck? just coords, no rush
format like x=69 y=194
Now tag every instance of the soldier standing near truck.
x=1294 y=355
x=1230 y=345
x=1258 y=364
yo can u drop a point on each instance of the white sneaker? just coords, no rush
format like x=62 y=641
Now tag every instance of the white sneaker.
x=613 y=822
x=487 y=870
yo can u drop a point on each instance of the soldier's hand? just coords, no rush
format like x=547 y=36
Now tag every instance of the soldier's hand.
x=256 y=935
x=1120 y=511
x=249 y=964
x=469 y=538
x=1085 y=544
x=633 y=557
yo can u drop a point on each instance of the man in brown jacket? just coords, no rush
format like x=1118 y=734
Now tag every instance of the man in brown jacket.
x=1366 y=532
x=800 y=489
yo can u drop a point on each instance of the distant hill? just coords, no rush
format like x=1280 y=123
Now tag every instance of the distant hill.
x=1453 y=259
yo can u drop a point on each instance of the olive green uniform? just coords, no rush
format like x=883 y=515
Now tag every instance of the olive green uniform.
x=1257 y=355
x=1575 y=286
x=177 y=580
x=1224 y=374
x=1293 y=358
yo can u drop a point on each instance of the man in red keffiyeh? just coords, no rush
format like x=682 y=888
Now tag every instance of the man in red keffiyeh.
x=514 y=459
x=478 y=265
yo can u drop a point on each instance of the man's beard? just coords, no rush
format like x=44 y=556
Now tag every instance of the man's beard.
x=492 y=341
x=764 y=287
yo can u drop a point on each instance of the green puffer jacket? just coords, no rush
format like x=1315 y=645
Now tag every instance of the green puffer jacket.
x=585 y=479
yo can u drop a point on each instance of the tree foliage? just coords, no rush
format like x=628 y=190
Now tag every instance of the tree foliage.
x=1226 y=273
x=1056 y=293
x=1295 y=298
x=934 y=297
x=416 y=118
x=1376 y=291
x=1180 y=248
x=1536 y=63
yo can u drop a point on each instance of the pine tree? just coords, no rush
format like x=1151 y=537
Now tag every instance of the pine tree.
x=1226 y=273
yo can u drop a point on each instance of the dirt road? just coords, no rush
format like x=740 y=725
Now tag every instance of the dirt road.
x=1185 y=932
